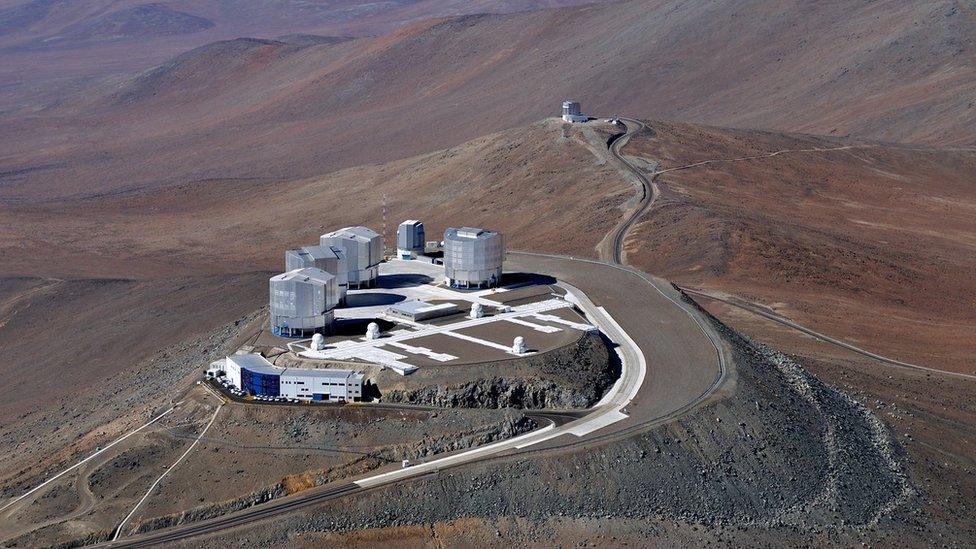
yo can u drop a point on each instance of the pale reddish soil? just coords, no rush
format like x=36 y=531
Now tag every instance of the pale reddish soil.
x=259 y=111
x=44 y=43
x=530 y=183
x=254 y=448
x=874 y=244
x=817 y=230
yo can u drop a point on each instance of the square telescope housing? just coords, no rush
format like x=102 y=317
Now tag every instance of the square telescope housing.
x=330 y=259
x=410 y=239
x=364 y=252
x=302 y=302
x=473 y=257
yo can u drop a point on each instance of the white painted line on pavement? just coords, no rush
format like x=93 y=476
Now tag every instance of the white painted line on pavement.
x=537 y=327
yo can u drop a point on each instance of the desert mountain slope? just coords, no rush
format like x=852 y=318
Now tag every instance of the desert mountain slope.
x=893 y=70
x=546 y=186
x=874 y=243
x=48 y=40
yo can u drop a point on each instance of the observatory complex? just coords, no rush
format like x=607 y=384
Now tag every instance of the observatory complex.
x=473 y=257
x=419 y=314
x=572 y=113
x=363 y=248
x=302 y=302
x=410 y=239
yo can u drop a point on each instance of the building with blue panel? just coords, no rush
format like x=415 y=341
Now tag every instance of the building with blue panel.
x=253 y=374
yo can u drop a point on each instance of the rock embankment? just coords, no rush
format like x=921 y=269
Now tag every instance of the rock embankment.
x=781 y=451
x=575 y=376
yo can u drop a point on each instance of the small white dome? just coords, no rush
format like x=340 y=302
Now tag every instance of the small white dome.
x=318 y=342
x=372 y=331
x=477 y=310
x=518 y=346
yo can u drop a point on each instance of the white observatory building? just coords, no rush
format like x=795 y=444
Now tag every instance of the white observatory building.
x=410 y=239
x=302 y=302
x=330 y=259
x=364 y=251
x=473 y=257
x=572 y=113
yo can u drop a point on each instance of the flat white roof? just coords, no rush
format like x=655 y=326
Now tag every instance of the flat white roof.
x=360 y=233
x=254 y=363
x=414 y=306
x=258 y=364
x=321 y=373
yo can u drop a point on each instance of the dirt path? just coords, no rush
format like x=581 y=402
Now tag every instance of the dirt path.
x=758 y=157
x=8 y=308
x=121 y=527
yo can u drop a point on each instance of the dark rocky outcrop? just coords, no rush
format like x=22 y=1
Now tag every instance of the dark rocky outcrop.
x=575 y=376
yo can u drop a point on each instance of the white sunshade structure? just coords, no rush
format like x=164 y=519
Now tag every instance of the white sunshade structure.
x=473 y=257
x=364 y=252
x=302 y=302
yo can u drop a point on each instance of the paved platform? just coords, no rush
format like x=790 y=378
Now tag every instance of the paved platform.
x=538 y=314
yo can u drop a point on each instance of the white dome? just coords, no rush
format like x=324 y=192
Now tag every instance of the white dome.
x=477 y=310
x=372 y=331
x=518 y=345
x=318 y=342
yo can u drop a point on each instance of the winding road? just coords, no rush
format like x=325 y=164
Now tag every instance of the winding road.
x=611 y=248
x=671 y=360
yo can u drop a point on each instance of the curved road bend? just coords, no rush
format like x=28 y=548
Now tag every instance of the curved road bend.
x=611 y=248
x=673 y=360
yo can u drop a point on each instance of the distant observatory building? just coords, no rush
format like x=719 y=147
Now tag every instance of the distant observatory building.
x=330 y=259
x=364 y=251
x=410 y=239
x=302 y=302
x=473 y=257
x=571 y=112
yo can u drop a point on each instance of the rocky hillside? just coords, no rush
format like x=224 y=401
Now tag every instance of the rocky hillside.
x=571 y=377
x=782 y=454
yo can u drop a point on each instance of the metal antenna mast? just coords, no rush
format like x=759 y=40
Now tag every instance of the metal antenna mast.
x=384 y=224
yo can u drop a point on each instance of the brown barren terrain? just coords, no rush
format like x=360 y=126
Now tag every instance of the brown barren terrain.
x=263 y=110
x=871 y=243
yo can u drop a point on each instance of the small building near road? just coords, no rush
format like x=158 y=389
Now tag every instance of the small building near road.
x=410 y=239
x=364 y=252
x=572 y=113
x=302 y=302
x=473 y=257
x=325 y=385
